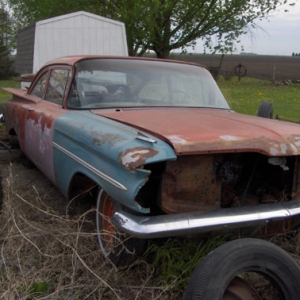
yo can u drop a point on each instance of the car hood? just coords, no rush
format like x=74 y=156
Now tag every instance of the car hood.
x=191 y=131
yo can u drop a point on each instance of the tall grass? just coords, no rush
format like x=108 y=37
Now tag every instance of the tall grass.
x=47 y=255
x=175 y=259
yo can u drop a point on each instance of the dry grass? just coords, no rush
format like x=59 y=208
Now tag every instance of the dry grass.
x=45 y=255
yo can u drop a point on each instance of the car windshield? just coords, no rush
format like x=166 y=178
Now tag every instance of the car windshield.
x=116 y=83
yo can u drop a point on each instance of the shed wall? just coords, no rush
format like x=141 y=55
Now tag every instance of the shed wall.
x=25 y=44
x=74 y=34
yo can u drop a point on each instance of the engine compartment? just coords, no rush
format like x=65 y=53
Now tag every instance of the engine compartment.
x=214 y=181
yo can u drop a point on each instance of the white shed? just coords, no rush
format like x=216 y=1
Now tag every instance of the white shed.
x=75 y=33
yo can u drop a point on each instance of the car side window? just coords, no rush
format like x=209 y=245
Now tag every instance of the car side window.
x=39 y=87
x=57 y=85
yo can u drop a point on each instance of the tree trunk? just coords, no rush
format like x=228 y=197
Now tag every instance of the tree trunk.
x=161 y=52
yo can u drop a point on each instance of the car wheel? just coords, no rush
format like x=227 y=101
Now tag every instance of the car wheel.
x=118 y=247
x=234 y=269
x=265 y=110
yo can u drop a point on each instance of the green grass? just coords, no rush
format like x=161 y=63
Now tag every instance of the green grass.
x=4 y=96
x=245 y=96
x=176 y=259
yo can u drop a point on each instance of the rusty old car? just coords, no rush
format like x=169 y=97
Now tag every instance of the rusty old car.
x=157 y=144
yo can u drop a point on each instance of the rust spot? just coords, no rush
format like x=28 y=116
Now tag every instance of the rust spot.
x=96 y=141
x=285 y=146
x=135 y=157
x=190 y=184
x=100 y=138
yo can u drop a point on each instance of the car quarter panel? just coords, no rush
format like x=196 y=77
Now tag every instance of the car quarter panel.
x=16 y=109
x=33 y=120
x=108 y=152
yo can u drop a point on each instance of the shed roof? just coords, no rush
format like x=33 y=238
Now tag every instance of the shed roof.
x=77 y=13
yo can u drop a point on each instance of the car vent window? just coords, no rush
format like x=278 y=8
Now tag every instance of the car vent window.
x=57 y=86
x=39 y=87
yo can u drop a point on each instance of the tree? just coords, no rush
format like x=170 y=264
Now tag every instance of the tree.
x=162 y=25
x=5 y=39
x=165 y=25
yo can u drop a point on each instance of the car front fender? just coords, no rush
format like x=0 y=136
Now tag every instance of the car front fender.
x=110 y=153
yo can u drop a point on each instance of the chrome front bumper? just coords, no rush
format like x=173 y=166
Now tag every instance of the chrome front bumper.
x=203 y=221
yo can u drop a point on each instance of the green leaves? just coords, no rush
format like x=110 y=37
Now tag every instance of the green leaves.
x=6 y=42
x=161 y=25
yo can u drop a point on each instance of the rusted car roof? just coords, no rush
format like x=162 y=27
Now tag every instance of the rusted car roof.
x=73 y=59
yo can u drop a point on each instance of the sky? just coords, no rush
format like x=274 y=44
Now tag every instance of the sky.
x=279 y=35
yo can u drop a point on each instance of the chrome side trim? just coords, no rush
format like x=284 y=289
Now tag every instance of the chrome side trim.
x=203 y=221
x=90 y=167
x=144 y=137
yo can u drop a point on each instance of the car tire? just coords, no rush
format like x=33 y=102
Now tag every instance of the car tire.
x=118 y=247
x=265 y=110
x=236 y=259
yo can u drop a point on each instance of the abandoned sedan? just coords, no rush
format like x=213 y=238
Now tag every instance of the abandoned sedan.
x=157 y=144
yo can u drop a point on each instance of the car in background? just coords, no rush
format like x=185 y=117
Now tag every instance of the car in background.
x=158 y=146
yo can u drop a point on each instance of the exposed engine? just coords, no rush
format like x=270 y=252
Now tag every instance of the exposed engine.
x=205 y=182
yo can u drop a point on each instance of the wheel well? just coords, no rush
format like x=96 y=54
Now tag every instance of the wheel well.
x=12 y=132
x=13 y=139
x=81 y=185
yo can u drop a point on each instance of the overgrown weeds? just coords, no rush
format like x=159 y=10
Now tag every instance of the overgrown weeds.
x=176 y=259
x=45 y=255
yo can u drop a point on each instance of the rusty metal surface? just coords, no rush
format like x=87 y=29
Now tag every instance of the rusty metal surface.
x=115 y=147
x=93 y=145
x=39 y=128
x=74 y=59
x=239 y=289
x=18 y=93
x=190 y=184
x=132 y=158
x=25 y=78
x=197 y=130
x=33 y=120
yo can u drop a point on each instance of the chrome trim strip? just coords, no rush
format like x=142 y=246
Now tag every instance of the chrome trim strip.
x=91 y=168
x=144 y=137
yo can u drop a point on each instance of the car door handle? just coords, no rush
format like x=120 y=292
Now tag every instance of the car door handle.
x=30 y=109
